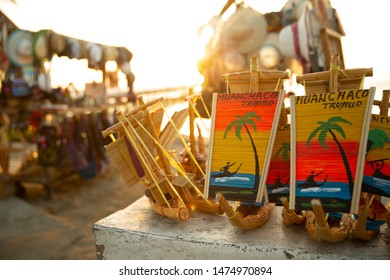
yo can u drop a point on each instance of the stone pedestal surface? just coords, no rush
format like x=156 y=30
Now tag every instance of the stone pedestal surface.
x=136 y=232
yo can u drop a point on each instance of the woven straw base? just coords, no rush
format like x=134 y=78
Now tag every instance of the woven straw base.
x=319 y=229
x=246 y=217
x=291 y=217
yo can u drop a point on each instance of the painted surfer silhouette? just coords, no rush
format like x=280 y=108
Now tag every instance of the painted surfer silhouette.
x=310 y=181
x=278 y=182
x=225 y=170
x=310 y=178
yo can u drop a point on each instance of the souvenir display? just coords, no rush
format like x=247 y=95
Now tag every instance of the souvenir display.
x=322 y=157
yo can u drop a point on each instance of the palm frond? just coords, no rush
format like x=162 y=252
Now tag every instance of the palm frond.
x=322 y=138
x=338 y=119
x=229 y=127
x=339 y=129
x=313 y=134
x=238 y=130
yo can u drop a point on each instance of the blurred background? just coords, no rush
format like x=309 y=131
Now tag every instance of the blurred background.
x=163 y=35
x=51 y=121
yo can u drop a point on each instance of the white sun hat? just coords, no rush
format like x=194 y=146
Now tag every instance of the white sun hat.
x=245 y=30
x=19 y=47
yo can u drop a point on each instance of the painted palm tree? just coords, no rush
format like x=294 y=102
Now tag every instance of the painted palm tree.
x=376 y=138
x=284 y=149
x=331 y=126
x=239 y=123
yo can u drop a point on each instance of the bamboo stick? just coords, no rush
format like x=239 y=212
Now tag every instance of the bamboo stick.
x=359 y=230
x=165 y=163
x=334 y=73
x=191 y=117
x=384 y=104
x=254 y=75
x=265 y=75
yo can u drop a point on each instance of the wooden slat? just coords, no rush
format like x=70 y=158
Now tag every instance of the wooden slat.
x=264 y=75
x=114 y=151
x=344 y=74
x=169 y=134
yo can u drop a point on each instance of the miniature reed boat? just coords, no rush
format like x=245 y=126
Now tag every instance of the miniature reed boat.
x=141 y=159
x=321 y=227
x=141 y=155
x=246 y=215
x=320 y=230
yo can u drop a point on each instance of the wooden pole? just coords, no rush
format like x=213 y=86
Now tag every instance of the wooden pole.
x=254 y=74
x=191 y=116
x=334 y=84
x=384 y=106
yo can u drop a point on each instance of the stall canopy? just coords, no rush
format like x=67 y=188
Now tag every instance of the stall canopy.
x=25 y=51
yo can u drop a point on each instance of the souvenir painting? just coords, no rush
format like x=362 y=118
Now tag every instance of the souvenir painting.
x=328 y=148
x=278 y=179
x=243 y=131
x=376 y=178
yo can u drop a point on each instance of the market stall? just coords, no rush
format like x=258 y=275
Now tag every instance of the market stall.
x=48 y=121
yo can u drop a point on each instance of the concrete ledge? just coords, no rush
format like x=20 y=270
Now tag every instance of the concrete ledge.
x=136 y=232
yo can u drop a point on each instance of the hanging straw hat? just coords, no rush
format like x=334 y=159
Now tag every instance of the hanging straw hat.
x=40 y=48
x=19 y=47
x=293 y=40
x=233 y=61
x=245 y=30
x=74 y=48
x=269 y=53
x=110 y=53
x=57 y=44
x=95 y=55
